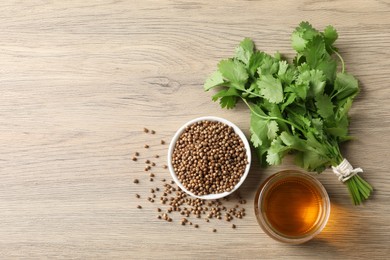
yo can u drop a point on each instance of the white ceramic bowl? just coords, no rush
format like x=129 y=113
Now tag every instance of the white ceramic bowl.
x=236 y=130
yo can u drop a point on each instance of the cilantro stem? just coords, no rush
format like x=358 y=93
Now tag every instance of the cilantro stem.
x=341 y=59
x=272 y=117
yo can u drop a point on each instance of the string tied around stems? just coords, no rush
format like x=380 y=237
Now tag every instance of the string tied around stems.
x=344 y=171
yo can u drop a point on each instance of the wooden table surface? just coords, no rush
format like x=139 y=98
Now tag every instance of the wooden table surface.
x=79 y=81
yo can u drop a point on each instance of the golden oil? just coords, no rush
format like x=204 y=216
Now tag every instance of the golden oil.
x=292 y=206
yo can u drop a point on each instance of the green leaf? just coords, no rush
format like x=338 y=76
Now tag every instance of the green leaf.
x=272 y=129
x=290 y=98
x=330 y=35
x=234 y=71
x=293 y=141
x=227 y=97
x=269 y=66
x=346 y=86
x=324 y=105
x=283 y=66
x=271 y=89
x=302 y=35
x=276 y=151
x=216 y=79
x=245 y=50
x=255 y=61
x=228 y=102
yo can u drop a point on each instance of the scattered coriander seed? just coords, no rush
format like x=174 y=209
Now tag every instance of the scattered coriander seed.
x=162 y=142
x=134 y=159
x=153 y=164
x=137 y=196
x=156 y=156
x=165 y=167
x=151 y=190
x=136 y=154
x=146 y=169
x=169 y=220
x=196 y=225
x=157 y=189
x=151 y=175
x=146 y=146
x=214 y=230
x=190 y=223
x=163 y=180
x=159 y=217
x=233 y=226
x=146 y=130
x=136 y=181
x=158 y=210
x=172 y=182
x=147 y=161
x=152 y=132
x=151 y=179
x=139 y=207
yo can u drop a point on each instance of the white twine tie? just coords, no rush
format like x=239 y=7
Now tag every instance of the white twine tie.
x=345 y=171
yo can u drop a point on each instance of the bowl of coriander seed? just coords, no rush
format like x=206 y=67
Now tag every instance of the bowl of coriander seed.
x=209 y=157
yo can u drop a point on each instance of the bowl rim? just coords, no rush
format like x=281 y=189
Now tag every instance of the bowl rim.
x=236 y=129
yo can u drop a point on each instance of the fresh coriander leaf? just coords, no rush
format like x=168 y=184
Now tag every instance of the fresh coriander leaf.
x=245 y=50
x=216 y=79
x=271 y=89
x=255 y=61
x=276 y=151
x=330 y=35
x=234 y=71
x=227 y=97
x=302 y=35
x=292 y=141
x=346 y=86
x=283 y=66
x=317 y=82
x=298 y=42
x=290 y=98
x=272 y=129
x=269 y=66
x=324 y=105
x=228 y=102
x=315 y=52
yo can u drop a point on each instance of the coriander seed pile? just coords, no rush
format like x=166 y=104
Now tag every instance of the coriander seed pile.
x=172 y=204
x=209 y=158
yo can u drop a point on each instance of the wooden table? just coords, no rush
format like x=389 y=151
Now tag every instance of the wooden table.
x=81 y=79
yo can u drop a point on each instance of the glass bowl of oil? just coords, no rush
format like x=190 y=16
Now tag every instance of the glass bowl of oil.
x=292 y=207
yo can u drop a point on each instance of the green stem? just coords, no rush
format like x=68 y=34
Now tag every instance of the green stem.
x=341 y=59
x=271 y=117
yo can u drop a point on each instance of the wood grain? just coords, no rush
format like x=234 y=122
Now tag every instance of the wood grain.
x=79 y=81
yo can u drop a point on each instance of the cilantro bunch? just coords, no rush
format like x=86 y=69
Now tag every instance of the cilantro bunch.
x=300 y=107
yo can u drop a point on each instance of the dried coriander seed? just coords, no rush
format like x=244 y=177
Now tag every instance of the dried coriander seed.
x=136 y=154
x=209 y=158
x=156 y=156
x=136 y=181
x=162 y=142
x=139 y=207
x=137 y=196
x=233 y=226
x=146 y=130
x=146 y=146
x=214 y=230
x=134 y=158
x=152 y=132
